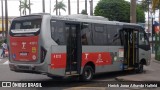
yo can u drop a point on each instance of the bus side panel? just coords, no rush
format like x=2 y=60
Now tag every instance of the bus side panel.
x=105 y=58
x=58 y=60
x=108 y=62
x=143 y=54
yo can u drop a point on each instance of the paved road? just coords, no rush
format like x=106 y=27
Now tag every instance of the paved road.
x=7 y=75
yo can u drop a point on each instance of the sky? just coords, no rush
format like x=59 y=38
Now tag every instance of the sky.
x=13 y=7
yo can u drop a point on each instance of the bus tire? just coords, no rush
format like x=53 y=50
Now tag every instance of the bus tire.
x=87 y=74
x=140 y=68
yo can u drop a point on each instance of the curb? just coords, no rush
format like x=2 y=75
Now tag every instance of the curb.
x=122 y=79
x=156 y=61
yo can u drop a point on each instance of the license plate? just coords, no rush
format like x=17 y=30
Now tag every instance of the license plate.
x=23 y=53
x=24 y=67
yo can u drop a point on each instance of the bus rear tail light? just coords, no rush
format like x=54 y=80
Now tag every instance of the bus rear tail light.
x=43 y=54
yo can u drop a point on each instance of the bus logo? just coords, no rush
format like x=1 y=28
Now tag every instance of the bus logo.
x=23 y=45
x=99 y=60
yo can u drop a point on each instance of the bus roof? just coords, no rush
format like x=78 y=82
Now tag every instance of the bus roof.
x=86 y=19
x=93 y=19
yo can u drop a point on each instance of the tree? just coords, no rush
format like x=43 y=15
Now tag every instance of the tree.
x=118 y=10
x=24 y=5
x=60 y=5
x=77 y=6
x=144 y=5
x=84 y=12
x=155 y=3
x=29 y=7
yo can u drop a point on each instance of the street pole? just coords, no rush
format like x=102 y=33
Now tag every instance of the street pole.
x=133 y=11
x=69 y=7
x=77 y=6
x=152 y=35
x=91 y=7
x=148 y=18
x=86 y=6
x=43 y=6
x=50 y=7
x=6 y=18
x=56 y=8
x=2 y=20
x=29 y=7
x=20 y=6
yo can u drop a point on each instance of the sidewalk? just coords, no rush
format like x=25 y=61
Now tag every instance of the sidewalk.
x=151 y=73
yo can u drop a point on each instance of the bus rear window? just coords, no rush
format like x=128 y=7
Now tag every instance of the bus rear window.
x=25 y=26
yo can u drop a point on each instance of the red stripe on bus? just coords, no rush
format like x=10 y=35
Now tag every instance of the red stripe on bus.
x=58 y=60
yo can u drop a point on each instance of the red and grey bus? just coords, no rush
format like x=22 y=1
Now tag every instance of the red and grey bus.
x=78 y=45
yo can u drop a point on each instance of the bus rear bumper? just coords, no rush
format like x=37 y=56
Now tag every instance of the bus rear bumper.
x=27 y=68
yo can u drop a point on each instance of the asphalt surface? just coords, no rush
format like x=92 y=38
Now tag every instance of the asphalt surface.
x=151 y=73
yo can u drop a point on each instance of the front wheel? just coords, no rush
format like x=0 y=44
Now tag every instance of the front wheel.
x=87 y=74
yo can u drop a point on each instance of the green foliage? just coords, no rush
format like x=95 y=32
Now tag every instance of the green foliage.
x=24 y=6
x=2 y=41
x=60 y=5
x=84 y=12
x=118 y=10
x=140 y=14
x=144 y=4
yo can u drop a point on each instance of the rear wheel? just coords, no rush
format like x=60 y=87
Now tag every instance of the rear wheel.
x=140 y=68
x=87 y=74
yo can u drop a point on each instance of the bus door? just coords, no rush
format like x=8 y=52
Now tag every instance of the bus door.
x=129 y=39
x=73 y=38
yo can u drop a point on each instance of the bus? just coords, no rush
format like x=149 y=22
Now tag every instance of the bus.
x=76 y=45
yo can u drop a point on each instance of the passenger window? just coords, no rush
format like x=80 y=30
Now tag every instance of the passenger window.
x=99 y=36
x=99 y=29
x=85 y=35
x=113 y=35
x=58 y=33
x=143 y=39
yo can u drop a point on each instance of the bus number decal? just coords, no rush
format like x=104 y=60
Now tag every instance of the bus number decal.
x=58 y=60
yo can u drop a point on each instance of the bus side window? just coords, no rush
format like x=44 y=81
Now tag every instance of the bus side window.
x=113 y=35
x=142 y=39
x=85 y=35
x=99 y=35
x=57 y=32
